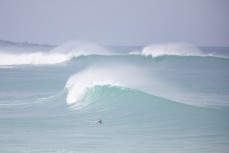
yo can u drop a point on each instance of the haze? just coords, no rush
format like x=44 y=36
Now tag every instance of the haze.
x=116 y=22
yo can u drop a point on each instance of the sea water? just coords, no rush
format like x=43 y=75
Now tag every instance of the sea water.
x=158 y=98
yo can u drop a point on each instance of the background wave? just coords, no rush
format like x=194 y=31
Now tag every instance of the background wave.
x=47 y=55
x=32 y=54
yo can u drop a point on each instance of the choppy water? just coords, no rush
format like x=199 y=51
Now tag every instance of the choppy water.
x=160 y=98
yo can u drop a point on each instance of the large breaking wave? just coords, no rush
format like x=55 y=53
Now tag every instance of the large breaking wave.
x=162 y=77
x=112 y=74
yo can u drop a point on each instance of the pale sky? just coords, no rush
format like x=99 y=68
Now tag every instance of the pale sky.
x=116 y=22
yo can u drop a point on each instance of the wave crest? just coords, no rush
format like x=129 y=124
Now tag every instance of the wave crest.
x=59 y=54
x=179 y=49
x=112 y=75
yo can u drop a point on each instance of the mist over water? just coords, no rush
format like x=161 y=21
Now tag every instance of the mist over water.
x=161 y=98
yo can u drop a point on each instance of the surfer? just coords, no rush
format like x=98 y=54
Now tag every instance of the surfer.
x=99 y=121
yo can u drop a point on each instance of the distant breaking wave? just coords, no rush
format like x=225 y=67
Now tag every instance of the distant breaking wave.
x=32 y=58
x=176 y=49
x=56 y=55
x=179 y=49
x=29 y=54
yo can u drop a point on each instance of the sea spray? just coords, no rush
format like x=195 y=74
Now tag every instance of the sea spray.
x=179 y=49
x=59 y=54
x=111 y=74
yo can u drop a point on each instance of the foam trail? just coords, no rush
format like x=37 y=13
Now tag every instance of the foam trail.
x=179 y=49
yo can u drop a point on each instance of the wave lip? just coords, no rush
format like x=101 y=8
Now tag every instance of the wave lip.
x=78 y=84
x=110 y=74
x=178 y=49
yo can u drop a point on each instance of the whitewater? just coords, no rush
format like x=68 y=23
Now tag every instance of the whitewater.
x=171 y=97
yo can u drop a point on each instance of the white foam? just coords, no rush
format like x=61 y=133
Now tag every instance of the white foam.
x=59 y=54
x=114 y=75
x=32 y=58
x=179 y=49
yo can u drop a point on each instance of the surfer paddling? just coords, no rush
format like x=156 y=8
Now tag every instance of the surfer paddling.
x=99 y=121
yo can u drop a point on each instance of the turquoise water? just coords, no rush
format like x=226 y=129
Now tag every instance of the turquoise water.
x=172 y=102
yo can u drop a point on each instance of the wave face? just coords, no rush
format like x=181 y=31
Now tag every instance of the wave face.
x=146 y=104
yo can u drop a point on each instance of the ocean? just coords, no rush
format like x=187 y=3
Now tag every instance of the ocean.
x=163 y=98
